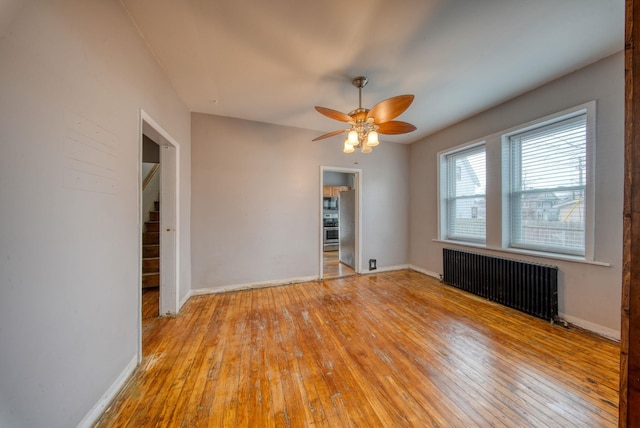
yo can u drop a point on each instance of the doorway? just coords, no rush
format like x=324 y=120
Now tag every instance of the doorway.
x=150 y=227
x=167 y=296
x=340 y=214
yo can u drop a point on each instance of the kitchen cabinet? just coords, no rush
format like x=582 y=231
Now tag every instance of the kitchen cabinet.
x=333 y=191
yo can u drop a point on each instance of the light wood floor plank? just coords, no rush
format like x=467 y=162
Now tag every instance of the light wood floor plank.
x=333 y=268
x=390 y=349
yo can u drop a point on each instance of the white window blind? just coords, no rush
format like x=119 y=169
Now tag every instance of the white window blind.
x=465 y=210
x=548 y=181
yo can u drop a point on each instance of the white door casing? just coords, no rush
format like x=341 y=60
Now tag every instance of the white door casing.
x=357 y=173
x=169 y=220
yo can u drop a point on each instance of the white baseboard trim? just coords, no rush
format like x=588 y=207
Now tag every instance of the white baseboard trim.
x=424 y=271
x=254 y=285
x=595 y=328
x=250 y=285
x=385 y=269
x=184 y=300
x=97 y=410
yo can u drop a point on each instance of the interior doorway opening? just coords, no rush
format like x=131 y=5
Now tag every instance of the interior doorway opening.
x=164 y=232
x=150 y=211
x=340 y=190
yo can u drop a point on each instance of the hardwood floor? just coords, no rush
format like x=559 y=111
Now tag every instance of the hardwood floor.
x=332 y=268
x=150 y=302
x=391 y=349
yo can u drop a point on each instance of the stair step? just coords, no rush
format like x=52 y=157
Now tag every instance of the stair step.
x=151 y=265
x=150 y=238
x=150 y=280
x=150 y=251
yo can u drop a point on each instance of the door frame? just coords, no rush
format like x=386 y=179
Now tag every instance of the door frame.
x=358 y=214
x=169 y=232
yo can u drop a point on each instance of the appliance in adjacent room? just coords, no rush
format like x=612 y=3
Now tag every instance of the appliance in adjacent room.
x=331 y=237
x=330 y=203
x=347 y=233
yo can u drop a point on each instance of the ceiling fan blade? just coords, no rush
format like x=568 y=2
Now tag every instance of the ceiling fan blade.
x=395 y=127
x=330 y=134
x=334 y=114
x=390 y=108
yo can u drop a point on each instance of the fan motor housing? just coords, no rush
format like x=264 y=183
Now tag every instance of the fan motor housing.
x=359 y=114
x=360 y=82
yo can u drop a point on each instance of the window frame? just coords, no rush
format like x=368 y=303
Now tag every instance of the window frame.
x=589 y=110
x=444 y=178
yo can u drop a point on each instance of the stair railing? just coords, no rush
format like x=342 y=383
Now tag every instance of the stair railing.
x=149 y=177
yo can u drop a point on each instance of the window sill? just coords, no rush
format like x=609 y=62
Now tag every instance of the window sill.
x=561 y=257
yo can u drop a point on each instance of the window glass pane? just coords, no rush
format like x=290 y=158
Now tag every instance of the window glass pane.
x=467 y=219
x=551 y=222
x=465 y=202
x=548 y=178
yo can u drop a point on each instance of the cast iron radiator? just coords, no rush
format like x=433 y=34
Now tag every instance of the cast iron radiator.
x=528 y=287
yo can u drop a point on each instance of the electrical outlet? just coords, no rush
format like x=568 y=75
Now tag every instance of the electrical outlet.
x=372 y=264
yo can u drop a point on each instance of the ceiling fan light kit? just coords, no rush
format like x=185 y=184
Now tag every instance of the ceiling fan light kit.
x=367 y=124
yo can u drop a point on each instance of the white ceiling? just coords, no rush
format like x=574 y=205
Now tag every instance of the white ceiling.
x=273 y=60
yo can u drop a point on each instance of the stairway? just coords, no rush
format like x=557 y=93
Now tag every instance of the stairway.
x=151 y=249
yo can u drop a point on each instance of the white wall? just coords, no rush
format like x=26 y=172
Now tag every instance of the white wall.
x=256 y=201
x=74 y=76
x=588 y=295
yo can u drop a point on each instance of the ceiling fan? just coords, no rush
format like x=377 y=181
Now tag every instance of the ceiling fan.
x=367 y=124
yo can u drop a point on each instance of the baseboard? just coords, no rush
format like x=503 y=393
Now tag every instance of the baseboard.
x=592 y=327
x=250 y=286
x=254 y=285
x=425 y=271
x=97 y=410
x=385 y=269
x=184 y=300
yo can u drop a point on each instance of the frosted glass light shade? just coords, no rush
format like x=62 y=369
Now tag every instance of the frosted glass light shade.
x=372 y=139
x=366 y=149
x=348 y=148
x=353 y=138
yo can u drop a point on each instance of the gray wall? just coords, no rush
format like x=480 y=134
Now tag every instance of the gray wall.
x=256 y=201
x=74 y=76
x=332 y=178
x=588 y=294
x=150 y=150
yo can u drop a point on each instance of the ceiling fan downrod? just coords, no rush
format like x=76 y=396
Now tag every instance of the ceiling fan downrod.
x=360 y=82
x=360 y=125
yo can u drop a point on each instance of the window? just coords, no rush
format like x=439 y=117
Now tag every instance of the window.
x=462 y=180
x=547 y=172
x=539 y=179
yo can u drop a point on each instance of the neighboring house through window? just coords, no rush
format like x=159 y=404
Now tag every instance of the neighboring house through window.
x=548 y=185
x=463 y=208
